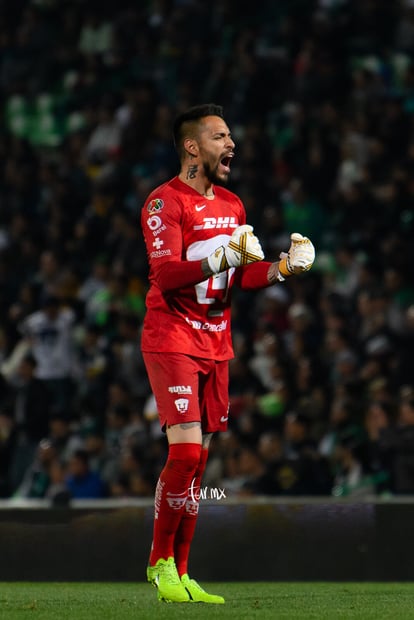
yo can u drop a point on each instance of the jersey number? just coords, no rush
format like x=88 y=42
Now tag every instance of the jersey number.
x=214 y=292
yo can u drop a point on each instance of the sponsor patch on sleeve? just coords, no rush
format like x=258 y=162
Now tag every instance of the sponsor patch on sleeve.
x=155 y=205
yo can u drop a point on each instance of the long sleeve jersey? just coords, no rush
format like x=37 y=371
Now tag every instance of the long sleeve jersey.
x=187 y=312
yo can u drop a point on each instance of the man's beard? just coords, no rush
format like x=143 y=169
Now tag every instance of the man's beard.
x=213 y=176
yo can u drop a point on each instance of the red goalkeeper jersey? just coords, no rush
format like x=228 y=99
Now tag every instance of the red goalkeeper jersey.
x=185 y=315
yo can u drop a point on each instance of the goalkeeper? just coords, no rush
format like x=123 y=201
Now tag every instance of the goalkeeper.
x=199 y=245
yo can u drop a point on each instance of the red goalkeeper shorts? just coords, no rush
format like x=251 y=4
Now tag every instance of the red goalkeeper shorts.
x=189 y=389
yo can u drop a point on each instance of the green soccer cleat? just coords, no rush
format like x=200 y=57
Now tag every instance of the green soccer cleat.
x=197 y=594
x=165 y=577
x=152 y=575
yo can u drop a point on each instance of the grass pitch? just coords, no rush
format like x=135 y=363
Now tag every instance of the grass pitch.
x=268 y=601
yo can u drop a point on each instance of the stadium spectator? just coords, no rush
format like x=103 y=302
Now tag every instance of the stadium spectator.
x=64 y=434
x=30 y=406
x=378 y=418
x=6 y=452
x=94 y=282
x=111 y=302
x=49 y=334
x=37 y=477
x=397 y=446
x=349 y=476
x=81 y=481
x=311 y=475
x=92 y=362
x=127 y=362
x=405 y=349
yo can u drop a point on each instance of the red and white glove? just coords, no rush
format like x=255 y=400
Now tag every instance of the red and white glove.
x=299 y=258
x=243 y=248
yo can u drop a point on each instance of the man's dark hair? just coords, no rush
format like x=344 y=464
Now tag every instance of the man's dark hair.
x=185 y=122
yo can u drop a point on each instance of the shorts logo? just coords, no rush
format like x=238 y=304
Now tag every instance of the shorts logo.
x=155 y=205
x=180 y=389
x=182 y=405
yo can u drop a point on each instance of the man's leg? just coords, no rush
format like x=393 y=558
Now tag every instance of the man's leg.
x=214 y=417
x=188 y=521
x=171 y=496
x=175 y=382
x=186 y=531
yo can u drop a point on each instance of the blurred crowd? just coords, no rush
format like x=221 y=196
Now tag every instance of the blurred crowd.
x=319 y=95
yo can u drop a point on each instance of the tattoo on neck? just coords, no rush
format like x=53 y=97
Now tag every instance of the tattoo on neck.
x=192 y=171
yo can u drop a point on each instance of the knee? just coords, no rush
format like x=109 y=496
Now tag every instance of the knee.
x=185 y=456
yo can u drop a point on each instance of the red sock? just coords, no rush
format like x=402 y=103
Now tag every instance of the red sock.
x=170 y=497
x=186 y=530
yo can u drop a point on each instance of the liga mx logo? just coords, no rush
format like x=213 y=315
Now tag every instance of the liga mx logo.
x=181 y=404
x=155 y=205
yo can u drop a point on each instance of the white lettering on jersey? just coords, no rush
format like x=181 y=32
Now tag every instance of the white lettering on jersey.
x=160 y=253
x=158 y=497
x=180 y=389
x=208 y=327
x=159 y=230
x=155 y=225
x=217 y=222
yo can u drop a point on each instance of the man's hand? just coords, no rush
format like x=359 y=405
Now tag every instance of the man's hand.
x=242 y=249
x=299 y=258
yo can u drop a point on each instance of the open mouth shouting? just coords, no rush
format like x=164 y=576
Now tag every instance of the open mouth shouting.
x=225 y=163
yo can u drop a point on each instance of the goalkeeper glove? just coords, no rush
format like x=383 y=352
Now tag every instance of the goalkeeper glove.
x=242 y=249
x=299 y=258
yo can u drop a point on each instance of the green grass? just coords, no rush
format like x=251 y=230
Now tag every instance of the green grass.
x=122 y=601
